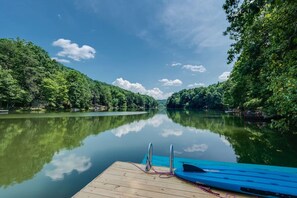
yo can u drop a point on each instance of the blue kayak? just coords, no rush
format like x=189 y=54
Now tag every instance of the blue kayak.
x=259 y=180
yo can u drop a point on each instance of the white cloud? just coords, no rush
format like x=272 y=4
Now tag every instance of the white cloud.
x=158 y=94
x=197 y=24
x=175 y=64
x=224 y=76
x=168 y=83
x=125 y=84
x=174 y=132
x=196 y=148
x=60 y=60
x=195 y=68
x=65 y=165
x=196 y=85
x=73 y=51
x=139 y=88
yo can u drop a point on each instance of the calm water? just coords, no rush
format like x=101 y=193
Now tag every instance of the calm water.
x=55 y=155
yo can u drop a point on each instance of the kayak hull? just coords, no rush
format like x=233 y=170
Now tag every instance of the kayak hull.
x=260 y=180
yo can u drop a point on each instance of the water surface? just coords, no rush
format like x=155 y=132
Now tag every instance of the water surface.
x=55 y=155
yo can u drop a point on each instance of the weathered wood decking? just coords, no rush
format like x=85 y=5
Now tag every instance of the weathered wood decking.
x=123 y=179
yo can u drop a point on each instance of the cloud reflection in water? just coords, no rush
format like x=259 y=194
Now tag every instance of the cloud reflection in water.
x=65 y=165
x=196 y=148
x=174 y=132
x=155 y=122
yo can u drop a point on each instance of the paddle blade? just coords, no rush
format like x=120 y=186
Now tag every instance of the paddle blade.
x=191 y=168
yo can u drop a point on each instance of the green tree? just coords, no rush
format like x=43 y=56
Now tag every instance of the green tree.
x=79 y=92
x=210 y=97
x=55 y=91
x=10 y=91
x=264 y=76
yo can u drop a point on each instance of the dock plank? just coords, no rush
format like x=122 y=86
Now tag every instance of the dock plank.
x=123 y=179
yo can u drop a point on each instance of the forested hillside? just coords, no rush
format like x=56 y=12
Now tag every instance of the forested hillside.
x=264 y=76
x=264 y=53
x=210 y=97
x=30 y=78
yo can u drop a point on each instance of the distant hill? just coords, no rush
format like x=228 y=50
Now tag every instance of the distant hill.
x=162 y=103
x=30 y=78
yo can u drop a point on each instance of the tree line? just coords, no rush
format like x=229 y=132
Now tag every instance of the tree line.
x=30 y=78
x=210 y=97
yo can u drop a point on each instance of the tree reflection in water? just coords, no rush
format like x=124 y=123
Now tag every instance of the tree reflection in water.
x=252 y=144
x=27 y=144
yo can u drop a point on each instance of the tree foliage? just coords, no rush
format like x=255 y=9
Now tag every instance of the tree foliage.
x=264 y=76
x=30 y=78
x=10 y=91
x=210 y=97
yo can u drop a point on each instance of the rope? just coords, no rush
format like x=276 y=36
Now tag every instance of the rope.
x=205 y=189
x=208 y=190
x=161 y=174
x=154 y=171
x=169 y=175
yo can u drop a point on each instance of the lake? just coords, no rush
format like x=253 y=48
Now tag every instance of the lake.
x=56 y=154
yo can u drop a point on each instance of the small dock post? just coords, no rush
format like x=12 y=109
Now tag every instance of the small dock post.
x=171 y=160
x=149 y=158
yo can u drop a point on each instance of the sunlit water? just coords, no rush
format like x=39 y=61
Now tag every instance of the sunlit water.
x=55 y=155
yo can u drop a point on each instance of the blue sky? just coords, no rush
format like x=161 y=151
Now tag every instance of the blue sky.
x=154 y=47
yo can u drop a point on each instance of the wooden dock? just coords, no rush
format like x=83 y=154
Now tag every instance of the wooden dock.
x=123 y=179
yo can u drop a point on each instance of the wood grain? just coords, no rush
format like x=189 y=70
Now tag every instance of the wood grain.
x=123 y=179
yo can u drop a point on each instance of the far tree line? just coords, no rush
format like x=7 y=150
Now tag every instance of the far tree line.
x=210 y=97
